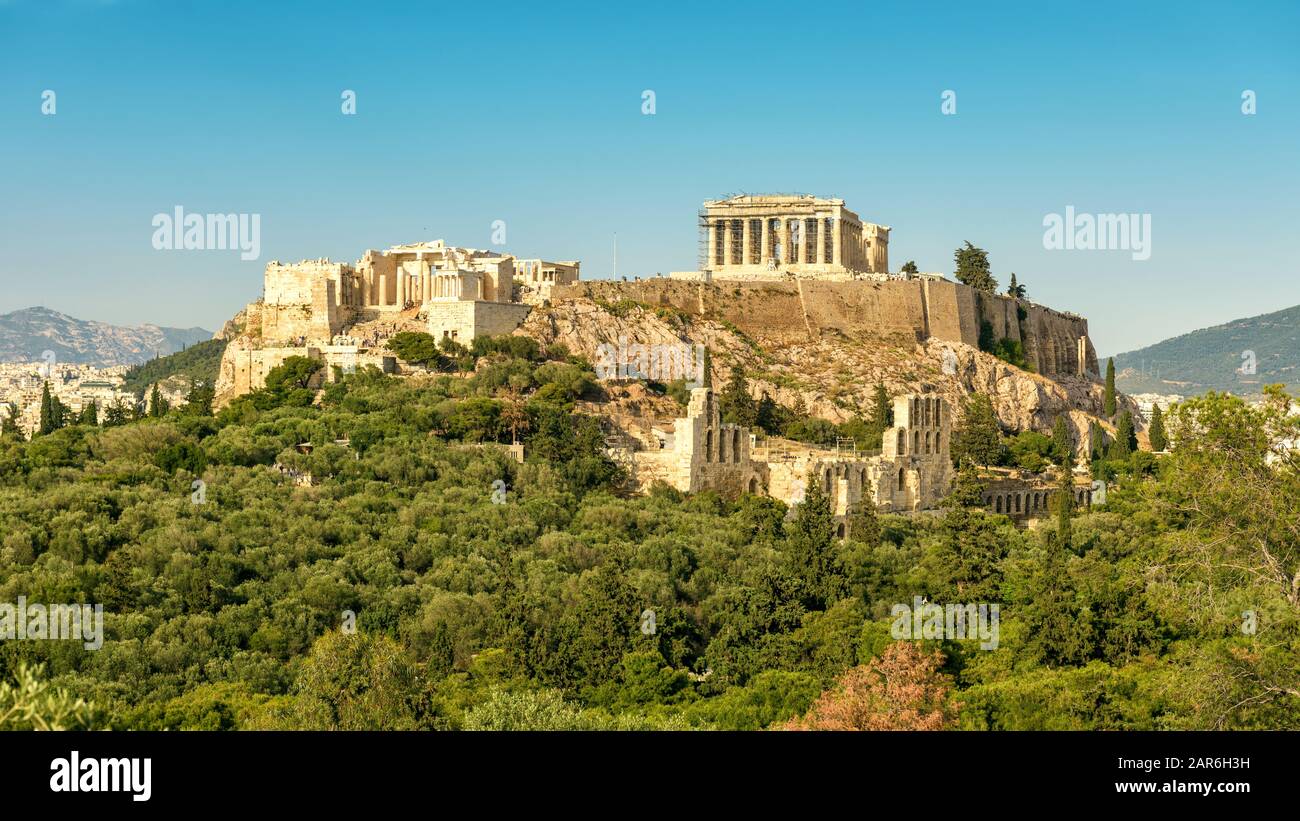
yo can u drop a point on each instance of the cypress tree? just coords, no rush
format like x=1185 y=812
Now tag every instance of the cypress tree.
x=811 y=552
x=967 y=488
x=89 y=415
x=882 y=415
x=737 y=405
x=157 y=405
x=48 y=423
x=1015 y=289
x=1159 y=439
x=1125 y=437
x=1108 y=401
x=864 y=524
x=1057 y=632
x=442 y=651
x=977 y=439
x=1065 y=499
x=1062 y=440
x=766 y=414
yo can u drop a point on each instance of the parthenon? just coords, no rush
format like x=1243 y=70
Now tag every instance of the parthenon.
x=757 y=235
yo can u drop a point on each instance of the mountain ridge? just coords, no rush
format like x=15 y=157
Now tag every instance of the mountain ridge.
x=26 y=334
x=1239 y=356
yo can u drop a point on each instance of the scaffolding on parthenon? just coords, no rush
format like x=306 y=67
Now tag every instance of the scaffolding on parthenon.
x=704 y=254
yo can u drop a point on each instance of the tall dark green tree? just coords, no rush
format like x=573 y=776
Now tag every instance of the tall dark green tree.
x=811 y=552
x=770 y=416
x=1062 y=440
x=157 y=405
x=1096 y=442
x=49 y=412
x=1108 y=399
x=606 y=621
x=1125 y=437
x=977 y=438
x=1015 y=289
x=864 y=523
x=909 y=267
x=1065 y=498
x=115 y=415
x=882 y=409
x=1159 y=437
x=973 y=268
x=198 y=402
x=735 y=402
x=1057 y=632
x=967 y=488
x=964 y=565
x=89 y=415
x=442 y=651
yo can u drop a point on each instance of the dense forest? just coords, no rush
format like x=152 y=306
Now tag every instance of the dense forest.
x=372 y=557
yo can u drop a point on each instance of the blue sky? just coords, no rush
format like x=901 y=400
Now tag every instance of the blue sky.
x=531 y=113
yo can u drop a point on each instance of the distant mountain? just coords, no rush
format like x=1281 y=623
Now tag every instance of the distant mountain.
x=25 y=335
x=1218 y=358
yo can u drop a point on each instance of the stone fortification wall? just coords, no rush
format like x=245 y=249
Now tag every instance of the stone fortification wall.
x=920 y=309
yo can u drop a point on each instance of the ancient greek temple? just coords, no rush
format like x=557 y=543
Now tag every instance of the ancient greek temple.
x=759 y=234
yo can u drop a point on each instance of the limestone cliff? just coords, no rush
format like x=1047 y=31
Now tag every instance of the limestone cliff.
x=793 y=311
x=834 y=371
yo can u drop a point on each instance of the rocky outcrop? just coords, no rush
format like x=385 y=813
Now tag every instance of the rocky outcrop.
x=832 y=374
x=791 y=312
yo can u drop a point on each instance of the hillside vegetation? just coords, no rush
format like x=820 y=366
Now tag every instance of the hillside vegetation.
x=199 y=362
x=1221 y=359
x=405 y=572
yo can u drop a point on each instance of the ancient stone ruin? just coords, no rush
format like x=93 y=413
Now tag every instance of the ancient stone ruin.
x=912 y=471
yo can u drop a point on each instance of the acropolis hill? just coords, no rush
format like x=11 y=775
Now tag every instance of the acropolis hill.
x=794 y=289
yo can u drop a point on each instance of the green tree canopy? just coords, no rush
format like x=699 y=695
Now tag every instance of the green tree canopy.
x=973 y=268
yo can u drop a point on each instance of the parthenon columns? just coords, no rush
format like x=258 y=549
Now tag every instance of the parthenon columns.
x=803 y=234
